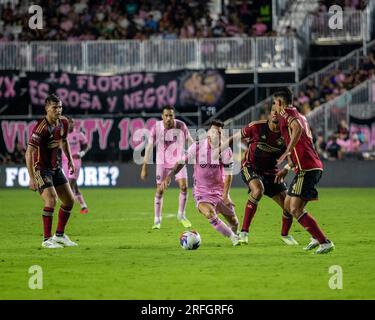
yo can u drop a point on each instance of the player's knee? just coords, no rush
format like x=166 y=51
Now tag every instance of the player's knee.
x=51 y=202
x=159 y=192
x=257 y=193
x=183 y=188
x=295 y=212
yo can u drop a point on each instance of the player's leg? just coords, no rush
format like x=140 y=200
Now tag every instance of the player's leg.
x=229 y=214
x=65 y=194
x=181 y=179
x=302 y=190
x=287 y=220
x=208 y=210
x=256 y=190
x=49 y=197
x=73 y=184
x=158 y=199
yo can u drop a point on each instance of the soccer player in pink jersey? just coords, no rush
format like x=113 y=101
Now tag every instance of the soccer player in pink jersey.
x=169 y=135
x=212 y=181
x=78 y=146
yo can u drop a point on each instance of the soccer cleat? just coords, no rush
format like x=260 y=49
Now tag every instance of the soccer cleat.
x=244 y=237
x=289 y=240
x=313 y=244
x=51 y=244
x=185 y=222
x=235 y=240
x=64 y=240
x=156 y=226
x=325 y=247
x=84 y=211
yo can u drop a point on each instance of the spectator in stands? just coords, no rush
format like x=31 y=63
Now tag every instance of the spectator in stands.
x=259 y=28
x=333 y=149
x=343 y=130
x=353 y=144
x=320 y=146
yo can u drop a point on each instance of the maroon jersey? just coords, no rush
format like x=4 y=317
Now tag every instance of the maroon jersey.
x=304 y=155
x=265 y=147
x=47 y=139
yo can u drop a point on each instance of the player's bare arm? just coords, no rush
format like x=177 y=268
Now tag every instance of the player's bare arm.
x=227 y=185
x=81 y=154
x=29 y=157
x=66 y=150
x=296 y=131
x=148 y=153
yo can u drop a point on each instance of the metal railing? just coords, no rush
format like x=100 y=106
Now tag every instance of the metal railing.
x=253 y=113
x=266 y=54
x=357 y=102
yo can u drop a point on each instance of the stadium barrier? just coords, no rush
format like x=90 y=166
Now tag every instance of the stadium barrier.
x=349 y=173
x=354 y=58
x=358 y=102
x=113 y=56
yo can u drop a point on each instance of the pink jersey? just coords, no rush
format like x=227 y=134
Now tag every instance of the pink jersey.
x=208 y=175
x=76 y=140
x=170 y=143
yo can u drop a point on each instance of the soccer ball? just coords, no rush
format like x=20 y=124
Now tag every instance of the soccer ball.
x=190 y=240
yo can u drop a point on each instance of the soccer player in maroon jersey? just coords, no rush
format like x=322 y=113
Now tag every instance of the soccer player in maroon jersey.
x=259 y=168
x=305 y=161
x=43 y=160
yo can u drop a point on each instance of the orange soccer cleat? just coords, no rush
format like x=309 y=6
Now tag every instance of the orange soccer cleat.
x=84 y=211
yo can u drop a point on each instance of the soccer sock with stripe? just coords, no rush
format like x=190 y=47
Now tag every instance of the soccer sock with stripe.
x=64 y=214
x=220 y=226
x=158 y=206
x=182 y=204
x=47 y=216
x=287 y=220
x=312 y=227
x=250 y=210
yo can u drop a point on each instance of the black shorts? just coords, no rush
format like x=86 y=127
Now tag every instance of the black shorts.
x=304 y=185
x=49 y=178
x=270 y=187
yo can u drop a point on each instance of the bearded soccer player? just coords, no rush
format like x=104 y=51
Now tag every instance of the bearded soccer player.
x=211 y=182
x=169 y=135
x=78 y=146
x=259 y=168
x=43 y=160
x=303 y=158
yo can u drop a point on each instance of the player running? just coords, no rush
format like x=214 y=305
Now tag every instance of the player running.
x=169 y=135
x=265 y=146
x=43 y=160
x=212 y=181
x=301 y=156
x=79 y=147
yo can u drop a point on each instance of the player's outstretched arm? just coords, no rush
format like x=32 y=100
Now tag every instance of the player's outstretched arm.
x=29 y=157
x=66 y=150
x=297 y=130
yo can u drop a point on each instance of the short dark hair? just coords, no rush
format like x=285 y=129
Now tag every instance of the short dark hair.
x=168 y=107
x=216 y=123
x=284 y=93
x=52 y=98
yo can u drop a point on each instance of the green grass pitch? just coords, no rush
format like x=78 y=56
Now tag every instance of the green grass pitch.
x=120 y=257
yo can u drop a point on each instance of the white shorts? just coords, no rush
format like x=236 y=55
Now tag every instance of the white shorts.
x=162 y=172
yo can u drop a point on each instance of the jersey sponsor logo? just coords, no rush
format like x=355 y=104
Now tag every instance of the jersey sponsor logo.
x=280 y=141
x=267 y=148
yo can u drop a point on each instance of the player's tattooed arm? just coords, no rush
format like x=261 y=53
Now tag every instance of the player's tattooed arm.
x=167 y=180
x=296 y=129
x=29 y=157
x=66 y=150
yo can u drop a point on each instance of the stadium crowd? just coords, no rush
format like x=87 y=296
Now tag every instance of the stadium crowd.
x=145 y=19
